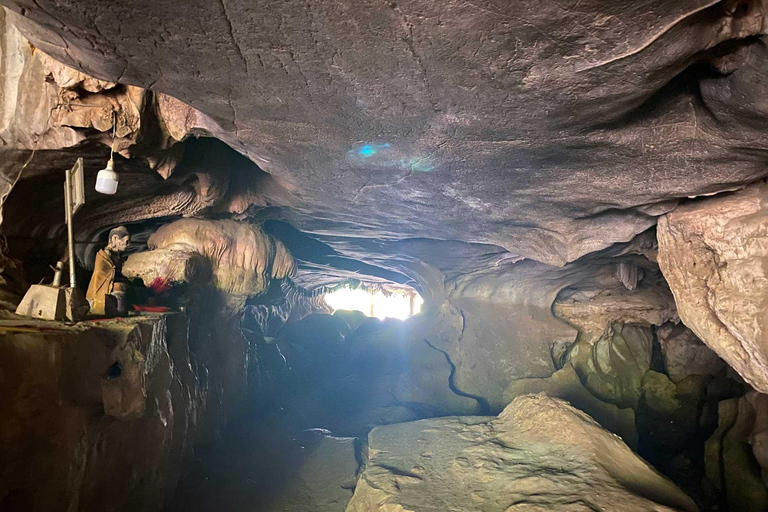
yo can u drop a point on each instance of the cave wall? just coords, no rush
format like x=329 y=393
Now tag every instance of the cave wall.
x=105 y=415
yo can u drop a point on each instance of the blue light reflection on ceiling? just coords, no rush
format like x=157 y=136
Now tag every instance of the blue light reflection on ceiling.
x=386 y=156
x=369 y=150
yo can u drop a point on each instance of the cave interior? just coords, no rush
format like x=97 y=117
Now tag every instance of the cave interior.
x=470 y=255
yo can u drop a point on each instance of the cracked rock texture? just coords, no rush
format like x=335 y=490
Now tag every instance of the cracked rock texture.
x=713 y=255
x=538 y=454
x=549 y=129
x=99 y=416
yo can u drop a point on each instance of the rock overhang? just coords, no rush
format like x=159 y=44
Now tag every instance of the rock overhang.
x=549 y=131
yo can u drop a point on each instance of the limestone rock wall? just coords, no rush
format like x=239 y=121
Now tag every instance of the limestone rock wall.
x=240 y=257
x=713 y=254
x=737 y=453
x=525 y=320
x=103 y=416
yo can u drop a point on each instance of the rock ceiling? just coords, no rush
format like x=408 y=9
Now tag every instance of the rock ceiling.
x=549 y=129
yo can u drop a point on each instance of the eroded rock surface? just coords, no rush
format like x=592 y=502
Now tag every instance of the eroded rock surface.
x=240 y=257
x=539 y=454
x=551 y=130
x=685 y=354
x=736 y=454
x=99 y=415
x=713 y=253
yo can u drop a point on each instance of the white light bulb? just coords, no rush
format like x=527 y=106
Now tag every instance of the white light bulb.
x=107 y=179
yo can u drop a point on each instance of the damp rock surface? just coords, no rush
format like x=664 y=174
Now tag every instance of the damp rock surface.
x=538 y=454
x=97 y=416
x=736 y=455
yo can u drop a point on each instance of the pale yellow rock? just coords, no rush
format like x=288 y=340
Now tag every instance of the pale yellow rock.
x=241 y=258
x=539 y=454
x=713 y=254
x=565 y=384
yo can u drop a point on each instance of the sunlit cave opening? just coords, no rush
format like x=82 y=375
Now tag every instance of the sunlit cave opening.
x=380 y=303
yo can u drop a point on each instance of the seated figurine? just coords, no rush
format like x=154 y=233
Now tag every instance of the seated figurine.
x=107 y=280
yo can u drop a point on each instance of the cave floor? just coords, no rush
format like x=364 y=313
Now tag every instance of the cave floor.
x=265 y=464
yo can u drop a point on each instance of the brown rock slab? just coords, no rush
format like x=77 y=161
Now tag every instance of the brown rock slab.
x=97 y=416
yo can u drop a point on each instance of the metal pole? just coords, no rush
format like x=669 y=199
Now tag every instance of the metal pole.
x=70 y=228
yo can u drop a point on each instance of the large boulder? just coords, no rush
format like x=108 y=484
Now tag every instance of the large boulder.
x=538 y=454
x=713 y=254
x=565 y=384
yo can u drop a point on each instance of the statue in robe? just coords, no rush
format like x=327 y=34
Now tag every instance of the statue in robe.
x=107 y=280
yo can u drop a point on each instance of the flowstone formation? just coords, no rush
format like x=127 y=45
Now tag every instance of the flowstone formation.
x=239 y=259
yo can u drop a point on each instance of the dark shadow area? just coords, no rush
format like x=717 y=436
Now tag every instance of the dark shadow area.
x=316 y=388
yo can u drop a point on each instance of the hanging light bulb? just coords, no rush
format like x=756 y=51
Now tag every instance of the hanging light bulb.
x=107 y=179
